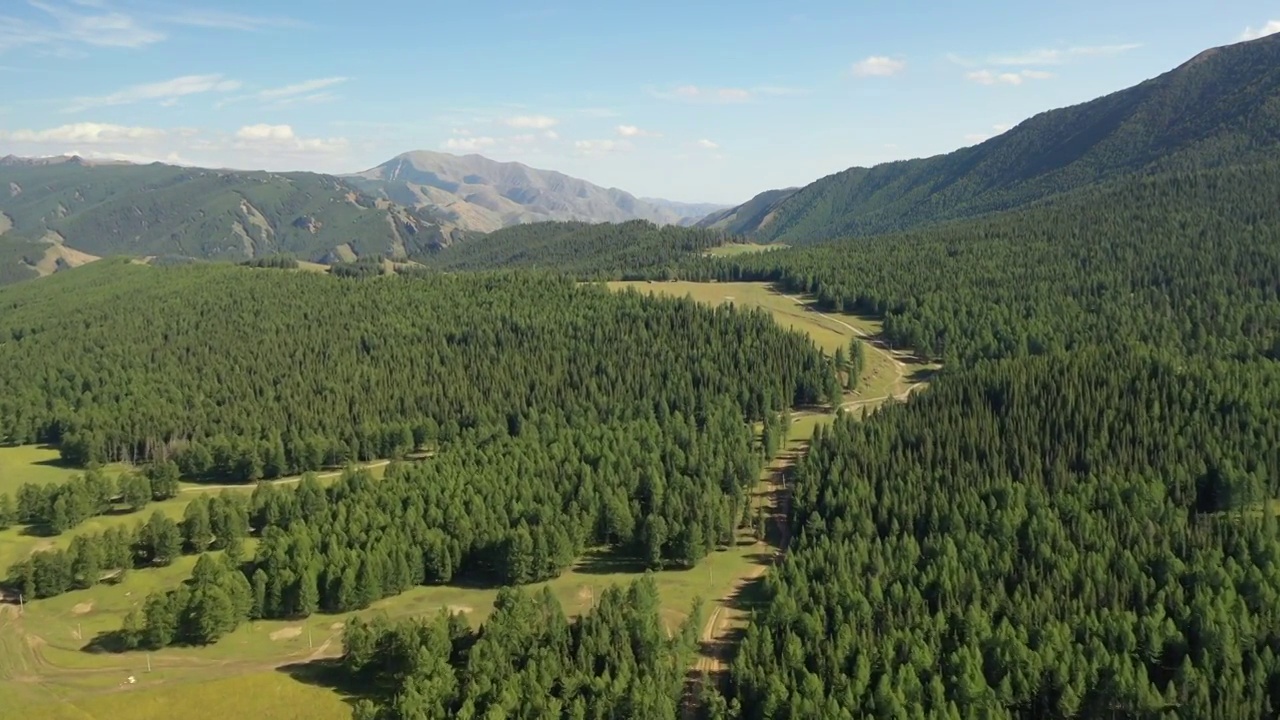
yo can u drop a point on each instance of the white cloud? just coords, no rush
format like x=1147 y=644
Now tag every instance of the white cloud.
x=987 y=77
x=534 y=122
x=708 y=144
x=633 y=131
x=733 y=94
x=469 y=144
x=551 y=135
x=307 y=86
x=281 y=138
x=101 y=29
x=259 y=147
x=878 y=66
x=265 y=132
x=84 y=133
x=166 y=91
x=1271 y=28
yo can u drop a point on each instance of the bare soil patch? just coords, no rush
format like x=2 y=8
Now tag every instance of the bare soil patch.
x=287 y=633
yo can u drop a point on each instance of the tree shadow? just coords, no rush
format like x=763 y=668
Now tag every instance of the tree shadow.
x=921 y=375
x=108 y=641
x=329 y=673
x=604 y=562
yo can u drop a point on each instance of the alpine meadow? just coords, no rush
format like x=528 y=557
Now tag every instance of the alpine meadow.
x=289 y=429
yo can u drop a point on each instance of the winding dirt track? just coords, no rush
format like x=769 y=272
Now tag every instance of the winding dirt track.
x=714 y=655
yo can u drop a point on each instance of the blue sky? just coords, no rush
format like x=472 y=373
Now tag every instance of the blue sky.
x=684 y=100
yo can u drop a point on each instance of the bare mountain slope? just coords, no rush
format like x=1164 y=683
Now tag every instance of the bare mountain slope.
x=476 y=193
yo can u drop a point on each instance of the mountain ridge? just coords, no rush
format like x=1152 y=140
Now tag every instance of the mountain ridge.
x=165 y=210
x=1221 y=105
x=478 y=193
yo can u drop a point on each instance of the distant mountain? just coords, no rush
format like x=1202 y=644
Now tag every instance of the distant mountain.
x=77 y=210
x=476 y=193
x=1221 y=107
x=748 y=216
x=689 y=213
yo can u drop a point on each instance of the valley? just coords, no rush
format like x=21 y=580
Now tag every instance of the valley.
x=984 y=430
x=49 y=638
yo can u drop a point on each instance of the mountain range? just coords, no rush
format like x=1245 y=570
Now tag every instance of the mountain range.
x=1221 y=106
x=473 y=192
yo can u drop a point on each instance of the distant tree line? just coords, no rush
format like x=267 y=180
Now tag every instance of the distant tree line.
x=637 y=248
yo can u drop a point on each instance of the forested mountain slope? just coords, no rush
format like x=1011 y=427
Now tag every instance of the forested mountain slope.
x=156 y=209
x=1077 y=518
x=1221 y=107
x=476 y=193
x=578 y=248
x=1183 y=260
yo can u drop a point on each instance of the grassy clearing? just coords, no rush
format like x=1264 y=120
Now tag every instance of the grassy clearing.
x=732 y=249
x=39 y=464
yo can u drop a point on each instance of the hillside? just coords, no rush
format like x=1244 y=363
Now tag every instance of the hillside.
x=579 y=248
x=1220 y=107
x=476 y=193
x=75 y=206
x=749 y=216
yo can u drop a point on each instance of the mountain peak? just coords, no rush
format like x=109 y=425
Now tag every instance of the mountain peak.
x=478 y=193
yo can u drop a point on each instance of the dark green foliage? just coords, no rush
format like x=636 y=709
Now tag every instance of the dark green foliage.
x=8 y=512
x=212 y=604
x=587 y=250
x=160 y=540
x=1217 y=109
x=511 y=510
x=856 y=364
x=361 y=268
x=1186 y=261
x=164 y=476
x=208 y=365
x=527 y=660
x=157 y=209
x=87 y=561
x=1083 y=537
x=58 y=508
x=278 y=262
x=219 y=522
x=18 y=259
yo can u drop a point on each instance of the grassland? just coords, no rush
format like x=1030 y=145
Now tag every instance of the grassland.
x=733 y=249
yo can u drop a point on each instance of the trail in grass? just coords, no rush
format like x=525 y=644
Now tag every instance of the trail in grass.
x=284 y=481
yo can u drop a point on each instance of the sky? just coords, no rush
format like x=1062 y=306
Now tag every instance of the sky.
x=688 y=100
